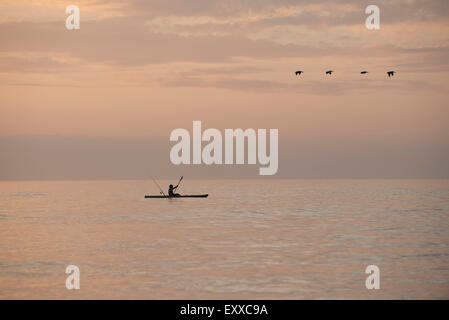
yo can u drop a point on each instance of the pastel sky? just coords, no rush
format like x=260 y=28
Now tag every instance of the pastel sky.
x=100 y=102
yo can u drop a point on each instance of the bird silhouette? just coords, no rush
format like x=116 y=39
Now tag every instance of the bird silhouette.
x=391 y=73
x=330 y=72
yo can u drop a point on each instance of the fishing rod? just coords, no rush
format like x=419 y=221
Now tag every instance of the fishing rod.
x=160 y=189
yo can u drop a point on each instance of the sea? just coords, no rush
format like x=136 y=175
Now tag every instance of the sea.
x=250 y=239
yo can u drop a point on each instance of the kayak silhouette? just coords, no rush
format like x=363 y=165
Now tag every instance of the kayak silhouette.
x=171 y=193
x=180 y=196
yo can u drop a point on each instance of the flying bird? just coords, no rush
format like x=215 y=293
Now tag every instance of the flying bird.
x=329 y=71
x=364 y=72
x=391 y=73
x=298 y=73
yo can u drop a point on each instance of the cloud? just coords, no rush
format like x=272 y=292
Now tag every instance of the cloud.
x=392 y=10
x=262 y=16
x=36 y=64
x=125 y=41
x=316 y=87
x=253 y=38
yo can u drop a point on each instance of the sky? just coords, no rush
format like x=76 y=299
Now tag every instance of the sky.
x=100 y=102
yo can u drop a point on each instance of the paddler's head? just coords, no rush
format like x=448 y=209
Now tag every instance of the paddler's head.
x=171 y=186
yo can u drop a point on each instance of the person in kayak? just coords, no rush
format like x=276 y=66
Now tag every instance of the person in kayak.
x=171 y=189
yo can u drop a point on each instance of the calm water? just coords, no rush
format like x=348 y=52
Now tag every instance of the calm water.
x=261 y=239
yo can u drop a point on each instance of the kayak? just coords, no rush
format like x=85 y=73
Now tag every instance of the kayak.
x=181 y=196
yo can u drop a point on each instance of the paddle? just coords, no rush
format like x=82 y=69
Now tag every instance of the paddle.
x=182 y=177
